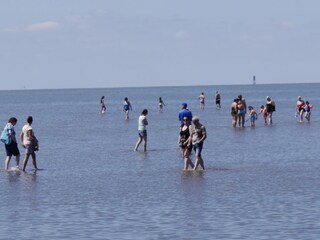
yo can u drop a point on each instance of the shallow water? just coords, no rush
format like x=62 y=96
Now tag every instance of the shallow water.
x=260 y=183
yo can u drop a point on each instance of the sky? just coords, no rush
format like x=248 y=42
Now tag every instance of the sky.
x=53 y=44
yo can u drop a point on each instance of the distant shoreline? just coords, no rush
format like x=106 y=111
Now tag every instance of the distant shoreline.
x=175 y=86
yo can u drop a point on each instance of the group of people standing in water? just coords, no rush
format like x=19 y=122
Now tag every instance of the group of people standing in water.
x=193 y=134
x=304 y=108
x=239 y=111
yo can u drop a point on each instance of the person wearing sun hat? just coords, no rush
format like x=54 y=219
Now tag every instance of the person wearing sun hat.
x=185 y=112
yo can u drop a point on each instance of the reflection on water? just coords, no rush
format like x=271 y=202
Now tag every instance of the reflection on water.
x=30 y=178
x=191 y=175
x=13 y=176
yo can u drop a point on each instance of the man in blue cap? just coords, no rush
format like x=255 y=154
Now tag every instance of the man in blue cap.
x=185 y=112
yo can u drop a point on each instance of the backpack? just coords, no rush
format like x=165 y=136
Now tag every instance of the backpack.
x=5 y=137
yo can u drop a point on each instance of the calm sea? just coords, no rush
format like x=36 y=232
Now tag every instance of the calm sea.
x=260 y=183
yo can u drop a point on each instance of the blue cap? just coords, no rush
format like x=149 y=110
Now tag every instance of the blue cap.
x=184 y=105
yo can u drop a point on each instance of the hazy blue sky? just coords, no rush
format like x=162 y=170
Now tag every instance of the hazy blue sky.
x=120 y=43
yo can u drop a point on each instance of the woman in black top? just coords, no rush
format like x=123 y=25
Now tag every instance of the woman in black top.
x=185 y=143
x=271 y=107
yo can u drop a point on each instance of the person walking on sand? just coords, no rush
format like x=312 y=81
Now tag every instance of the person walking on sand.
x=29 y=142
x=201 y=98
x=198 y=136
x=185 y=143
x=12 y=147
x=184 y=112
x=142 y=130
x=102 y=105
x=161 y=104
x=126 y=107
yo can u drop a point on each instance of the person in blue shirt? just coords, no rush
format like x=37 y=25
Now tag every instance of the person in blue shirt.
x=126 y=107
x=308 y=107
x=12 y=147
x=185 y=112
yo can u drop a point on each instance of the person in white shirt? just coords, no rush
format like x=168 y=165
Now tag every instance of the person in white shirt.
x=142 y=130
x=29 y=142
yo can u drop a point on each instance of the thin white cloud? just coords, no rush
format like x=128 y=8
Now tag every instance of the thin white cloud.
x=44 y=26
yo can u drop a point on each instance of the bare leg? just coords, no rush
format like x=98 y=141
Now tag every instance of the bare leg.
x=145 y=144
x=270 y=118
x=138 y=143
x=17 y=161
x=7 y=162
x=201 y=162
x=308 y=116
x=34 y=161
x=301 y=116
x=198 y=162
x=187 y=163
x=234 y=121
x=187 y=160
x=25 y=161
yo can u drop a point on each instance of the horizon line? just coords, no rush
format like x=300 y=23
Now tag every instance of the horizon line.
x=174 y=86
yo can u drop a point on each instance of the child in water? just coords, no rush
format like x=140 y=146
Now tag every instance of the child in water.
x=265 y=113
x=253 y=115
x=308 y=107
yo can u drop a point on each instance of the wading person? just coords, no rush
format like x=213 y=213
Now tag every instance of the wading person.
x=185 y=143
x=126 y=108
x=29 y=142
x=11 y=146
x=198 y=136
x=142 y=130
